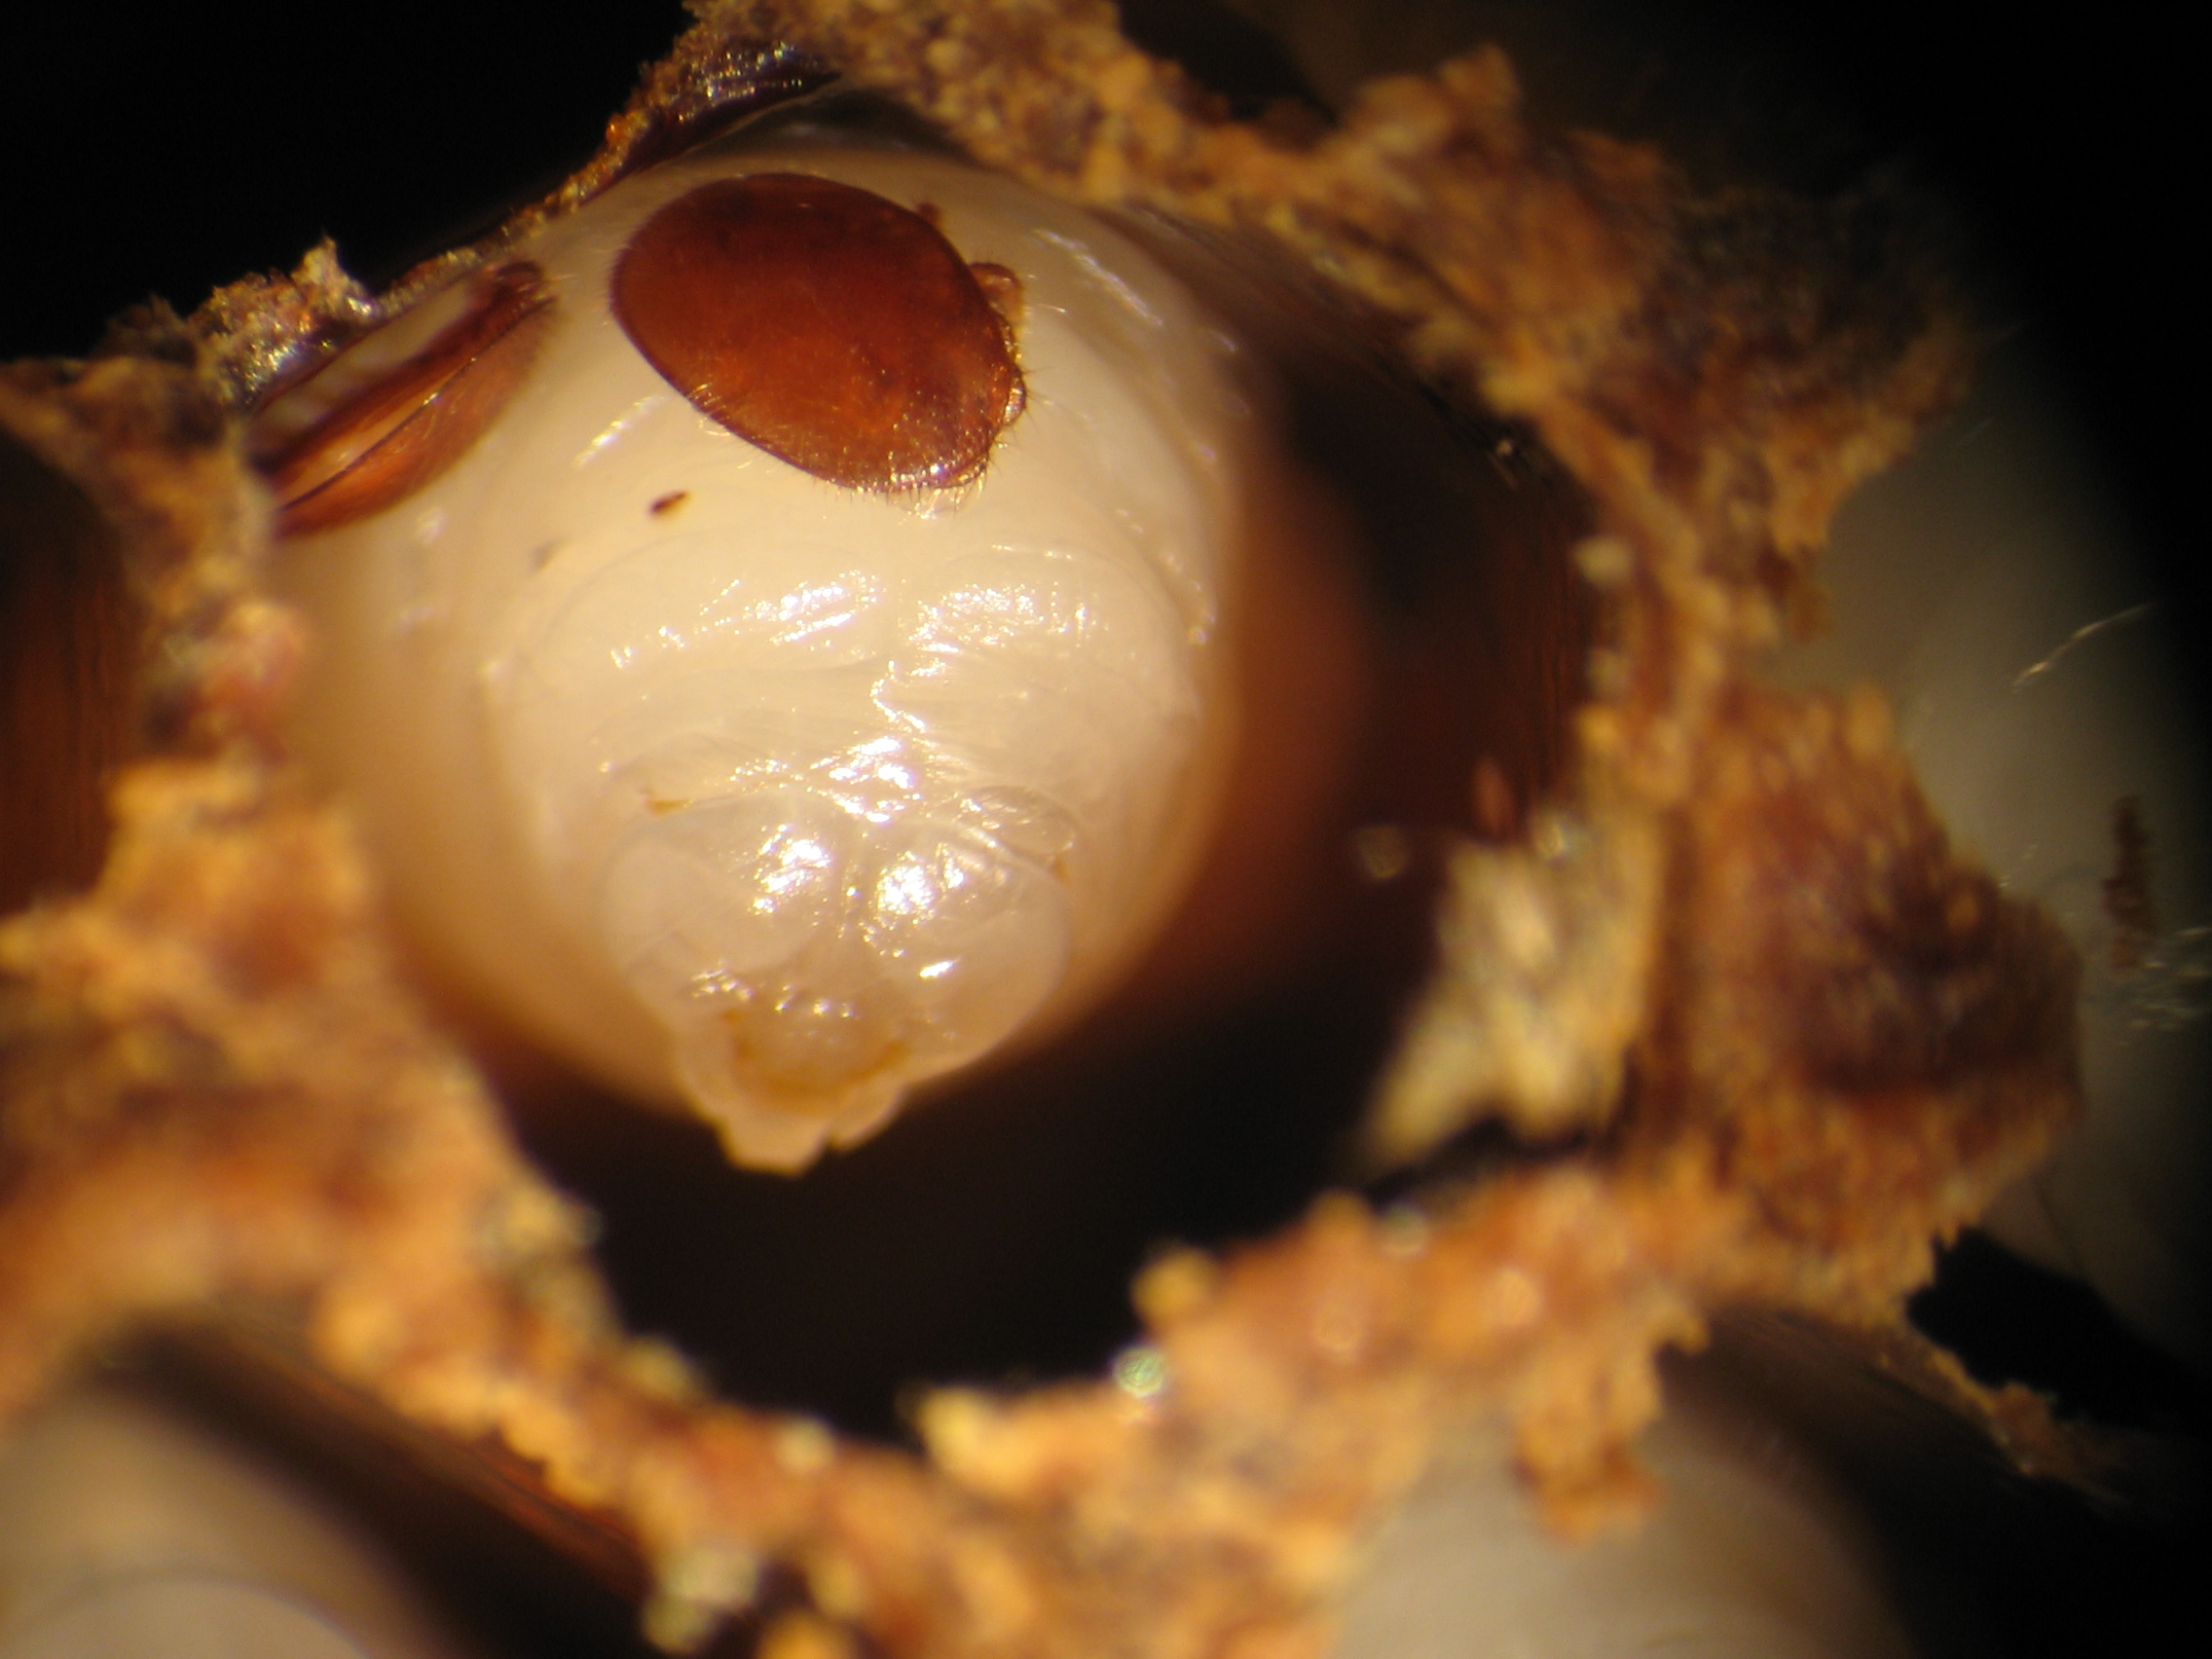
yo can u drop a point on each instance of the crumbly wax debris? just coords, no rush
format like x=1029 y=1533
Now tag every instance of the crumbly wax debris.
x=214 y=1041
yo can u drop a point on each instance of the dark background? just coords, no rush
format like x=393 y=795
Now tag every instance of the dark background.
x=169 y=150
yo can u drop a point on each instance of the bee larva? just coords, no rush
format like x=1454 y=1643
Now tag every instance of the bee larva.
x=772 y=622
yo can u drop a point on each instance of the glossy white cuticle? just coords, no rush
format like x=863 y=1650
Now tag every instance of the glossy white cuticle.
x=732 y=784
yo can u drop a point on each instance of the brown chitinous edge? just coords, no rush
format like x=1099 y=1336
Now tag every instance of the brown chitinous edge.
x=394 y=436
x=215 y=1043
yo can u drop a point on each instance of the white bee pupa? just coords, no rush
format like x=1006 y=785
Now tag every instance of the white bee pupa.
x=726 y=779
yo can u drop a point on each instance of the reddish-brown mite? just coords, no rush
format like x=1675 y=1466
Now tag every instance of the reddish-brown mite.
x=383 y=443
x=829 y=326
x=662 y=505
